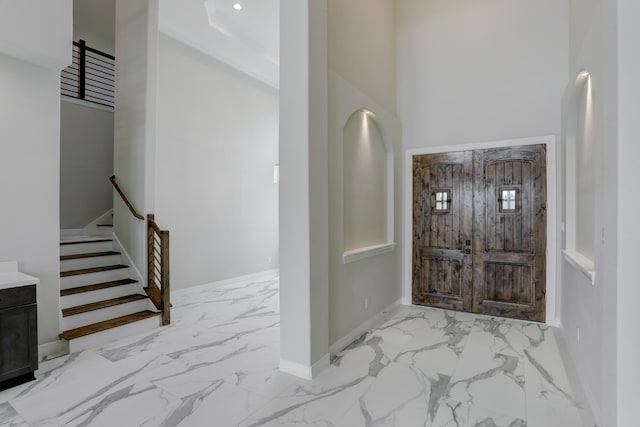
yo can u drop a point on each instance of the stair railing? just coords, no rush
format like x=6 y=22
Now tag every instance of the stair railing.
x=125 y=199
x=90 y=77
x=158 y=284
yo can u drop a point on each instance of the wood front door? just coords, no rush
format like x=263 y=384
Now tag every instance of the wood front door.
x=479 y=231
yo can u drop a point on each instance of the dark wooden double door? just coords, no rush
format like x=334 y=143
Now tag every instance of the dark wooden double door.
x=479 y=231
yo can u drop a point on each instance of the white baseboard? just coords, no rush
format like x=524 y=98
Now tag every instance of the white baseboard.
x=92 y=228
x=50 y=350
x=305 y=372
x=366 y=326
x=117 y=245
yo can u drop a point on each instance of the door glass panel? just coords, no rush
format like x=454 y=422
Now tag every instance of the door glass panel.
x=509 y=200
x=443 y=200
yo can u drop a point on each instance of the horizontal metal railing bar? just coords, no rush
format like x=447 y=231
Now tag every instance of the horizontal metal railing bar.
x=100 y=82
x=98 y=76
x=95 y=90
x=96 y=66
x=90 y=77
x=97 y=61
x=98 y=99
x=99 y=103
x=106 y=55
x=90 y=49
x=100 y=90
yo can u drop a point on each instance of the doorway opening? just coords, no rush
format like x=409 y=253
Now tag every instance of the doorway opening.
x=472 y=265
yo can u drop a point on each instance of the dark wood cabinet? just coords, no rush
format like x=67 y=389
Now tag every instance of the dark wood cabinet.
x=18 y=335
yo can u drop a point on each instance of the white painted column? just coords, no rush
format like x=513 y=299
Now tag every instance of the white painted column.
x=628 y=353
x=303 y=187
x=134 y=121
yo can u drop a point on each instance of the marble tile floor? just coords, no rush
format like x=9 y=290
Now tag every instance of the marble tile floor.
x=217 y=365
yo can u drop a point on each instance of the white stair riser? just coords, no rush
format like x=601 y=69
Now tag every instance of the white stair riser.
x=80 y=263
x=95 y=316
x=91 y=278
x=106 y=337
x=101 y=295
x=85 y=248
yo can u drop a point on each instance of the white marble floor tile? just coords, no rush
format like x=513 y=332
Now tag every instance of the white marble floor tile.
x=132 y=405
x=221 y=404
x=58 y=371
x=9 y=417
x=309 y=404
x=436 y=348
x=217 y=365
x=400 y=396
x=458 y=414
x=489 y=379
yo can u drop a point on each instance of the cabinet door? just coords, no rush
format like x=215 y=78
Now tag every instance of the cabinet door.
x=18 y=341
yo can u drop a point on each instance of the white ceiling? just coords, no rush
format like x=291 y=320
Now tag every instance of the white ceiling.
x=248 y=40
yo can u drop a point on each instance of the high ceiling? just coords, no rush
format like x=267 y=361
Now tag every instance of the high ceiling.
x=248 y=39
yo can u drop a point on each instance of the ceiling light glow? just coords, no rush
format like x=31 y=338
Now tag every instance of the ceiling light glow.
x=237 y=6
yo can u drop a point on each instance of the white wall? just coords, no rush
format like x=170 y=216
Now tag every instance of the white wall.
x=593 y=308
x=29 y=169
x=95 y=22
x=86 y=163
x=361 y=56
x=361 y=37
x=377 y=278
x=29 y=147
x=36 y=31
x=628 y=207
x=216 y=148
x=303 y=205
x=475 y=71
x=135 y=121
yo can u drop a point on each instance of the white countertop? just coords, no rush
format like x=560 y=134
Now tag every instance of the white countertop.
x=10 y=277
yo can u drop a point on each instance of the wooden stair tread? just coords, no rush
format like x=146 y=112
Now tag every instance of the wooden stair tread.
x=107 y=324
x=92 y=270
x=96 y=287
x=88 y=255
x=78 y=242
x=72 y=311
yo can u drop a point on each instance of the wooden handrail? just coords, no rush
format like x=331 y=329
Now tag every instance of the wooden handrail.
x=158 y=283
x=124 y=198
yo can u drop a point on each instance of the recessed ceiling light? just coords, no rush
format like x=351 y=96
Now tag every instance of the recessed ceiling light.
x=237 y=6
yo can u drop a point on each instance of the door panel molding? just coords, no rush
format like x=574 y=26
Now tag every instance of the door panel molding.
x=551 y=228
x=506 y=260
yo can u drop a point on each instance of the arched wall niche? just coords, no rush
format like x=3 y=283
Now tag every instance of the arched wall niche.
x=580 y=178
x=367 y=169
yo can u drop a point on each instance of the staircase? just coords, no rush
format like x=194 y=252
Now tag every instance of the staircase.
x=99 y=299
